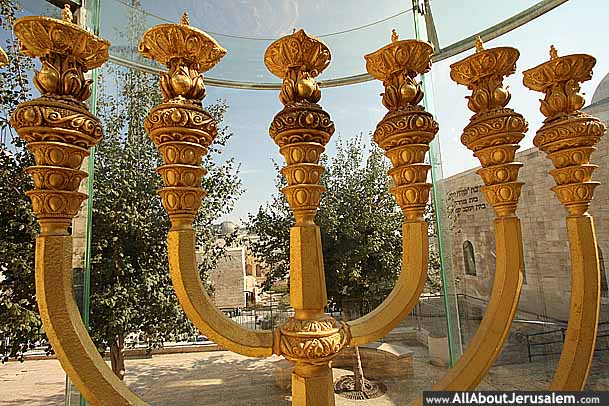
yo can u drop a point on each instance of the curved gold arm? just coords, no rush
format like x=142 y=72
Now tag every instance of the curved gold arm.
x=569 y=137
x=488 y=341
x=199 y=308
x=64 y=328
x=405 y=293
x=493 y=135
x=183 y=132
x=576 y=357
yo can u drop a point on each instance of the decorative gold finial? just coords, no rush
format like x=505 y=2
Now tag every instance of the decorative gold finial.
x=185 y=19
x=567 y=135
x=479 y=44
x=66 y=13
x=394 y=35
x=297 y=59
x=553 y=52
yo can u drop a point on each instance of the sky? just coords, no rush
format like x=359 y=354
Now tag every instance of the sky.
x=246 y=27
x=578 y=26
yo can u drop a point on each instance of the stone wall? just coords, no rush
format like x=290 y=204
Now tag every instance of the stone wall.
x=228 y=279
x=547 y=262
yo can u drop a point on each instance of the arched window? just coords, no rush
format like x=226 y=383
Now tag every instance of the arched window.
x=469 y=258
x=604 y=285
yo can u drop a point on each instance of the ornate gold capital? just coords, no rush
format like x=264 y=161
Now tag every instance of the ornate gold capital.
x=66 y=52
x=187 y=52
x=483 y=73
x=568 y=135
x=559 y=80
x=297 y=59
x=397 y=65
x=407 y=129
x=302 y=128
x=181 y=129
x=58 y=127
x=494 y=131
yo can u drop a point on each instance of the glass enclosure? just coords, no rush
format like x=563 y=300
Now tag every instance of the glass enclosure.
x=181 y=368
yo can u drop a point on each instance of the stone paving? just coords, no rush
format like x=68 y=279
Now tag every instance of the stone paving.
x=224 y=379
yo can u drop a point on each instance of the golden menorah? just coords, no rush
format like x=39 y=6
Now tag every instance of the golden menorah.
x=59 y=130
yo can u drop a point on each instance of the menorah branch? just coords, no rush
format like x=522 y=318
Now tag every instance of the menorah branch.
x=493 y=134
x=404 y=133
x=183 y=131
x=568 y=137
x=200 y=309
x=59 y=130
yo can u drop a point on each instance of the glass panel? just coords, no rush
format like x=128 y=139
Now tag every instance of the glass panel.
x=244 y=60
x=415 y=355
x=349 y=32
x=455 y=21
x=533 y=346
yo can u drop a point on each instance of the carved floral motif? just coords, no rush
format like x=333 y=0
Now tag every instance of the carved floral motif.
x=568 y=135
x=42 y=36
x=397 y=65
x=57 y=127
x=66 y=52
x=165 y=42
x=313 y=341
x=299 y=50
x=51 y=120
x=494 y=131
x=559 y=80
x=412 y=56
x=483 y=73
x=301 y=123
x=297 y=59
x=186 y=123
x=187 y=52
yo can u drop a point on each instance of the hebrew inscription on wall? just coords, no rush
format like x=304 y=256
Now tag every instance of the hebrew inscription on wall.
x=466 y=199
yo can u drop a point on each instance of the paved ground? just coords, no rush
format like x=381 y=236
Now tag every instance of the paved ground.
x=213 y=378
x=225 y=379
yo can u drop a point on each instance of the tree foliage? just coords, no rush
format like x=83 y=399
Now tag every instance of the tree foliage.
x=360 y=225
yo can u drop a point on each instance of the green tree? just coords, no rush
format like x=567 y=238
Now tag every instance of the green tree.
x=360 y=226
x=131 y=292
x=20 y=325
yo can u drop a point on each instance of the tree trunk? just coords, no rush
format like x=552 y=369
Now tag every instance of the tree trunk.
x=117 y=356
x=358 y=371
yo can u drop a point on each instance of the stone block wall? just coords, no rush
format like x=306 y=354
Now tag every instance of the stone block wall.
x=228 y=279
x=547 y=262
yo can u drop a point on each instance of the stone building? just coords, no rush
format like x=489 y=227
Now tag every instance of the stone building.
x=228 y=279
x=547 y=287
x=238 y=277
